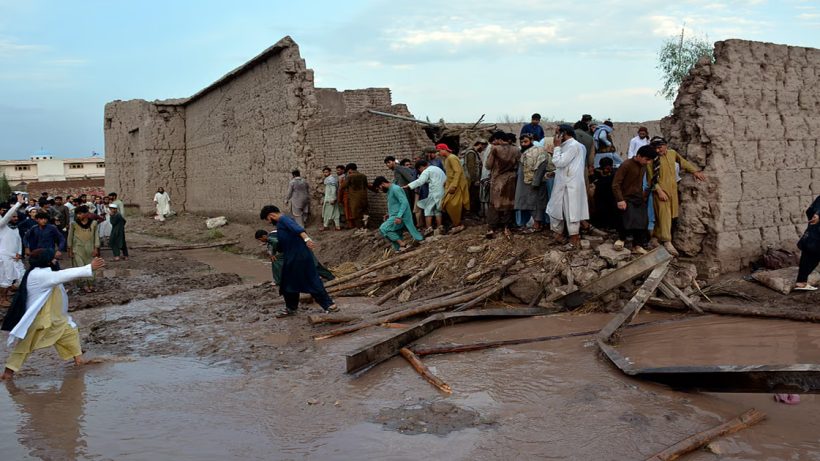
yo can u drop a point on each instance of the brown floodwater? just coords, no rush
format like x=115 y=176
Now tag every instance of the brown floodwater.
x=551 y=400
x=253 y=270
x=722 y=340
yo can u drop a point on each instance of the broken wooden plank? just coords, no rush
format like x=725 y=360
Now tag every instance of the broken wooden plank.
x=381 y=350
x=747 y=419
x=614 y=279
x=634 y=305
x=742 y=310
x=409 y=282
x=187 y=246
x=367 y=282
x=487 y=293
x=425 y=372
x=679 y=294
x=316 y=319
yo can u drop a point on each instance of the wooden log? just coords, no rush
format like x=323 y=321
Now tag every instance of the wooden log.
x=374 y=267
x=487 y=293
x=190 y=246
x=367 y=282
x=422 y=302
x=407 y=283
x=395 y=325
x=679 y=294
x=615 y=278
x=402 y=314
x=383 y=349
x=316 y=319
x=745 y=310
x=425 y=372
x=692 y=443
x=633 y=306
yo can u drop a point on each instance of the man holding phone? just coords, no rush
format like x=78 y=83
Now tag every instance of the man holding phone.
x=568 y=205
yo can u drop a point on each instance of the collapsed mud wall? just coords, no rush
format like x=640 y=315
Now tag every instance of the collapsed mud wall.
x=750 y=120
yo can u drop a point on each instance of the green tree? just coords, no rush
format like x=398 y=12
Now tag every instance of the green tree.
x=5 y=189
x=677 y=56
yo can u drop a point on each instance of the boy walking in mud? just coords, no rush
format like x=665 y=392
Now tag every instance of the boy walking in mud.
x=299 y=274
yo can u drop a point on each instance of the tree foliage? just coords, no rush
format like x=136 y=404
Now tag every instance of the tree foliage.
x=5 y=189
x=676 y=57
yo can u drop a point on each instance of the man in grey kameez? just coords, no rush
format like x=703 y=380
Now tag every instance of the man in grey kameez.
x=298 y=198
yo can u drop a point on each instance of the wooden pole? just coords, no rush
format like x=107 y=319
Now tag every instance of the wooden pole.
x=689 y=444
x=487 y=293
x=367 y=282
x=633 y=306
x=316 y=319
x=367 y=270
x=425 y=372
x=746 y=310
x=679 y=294
x=191 y=246
x=406 y=284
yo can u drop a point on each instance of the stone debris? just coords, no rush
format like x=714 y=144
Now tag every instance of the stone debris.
x=213 y=223
x=611 y=255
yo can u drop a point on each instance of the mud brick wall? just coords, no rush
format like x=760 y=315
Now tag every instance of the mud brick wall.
x=750 y=120
x=73 y=187
x=146 y=146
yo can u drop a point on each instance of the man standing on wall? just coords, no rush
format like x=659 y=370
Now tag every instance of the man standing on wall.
x=299 y=273
x=298 y=198
x=356 y=186
x=533 y=128
x=663 y=183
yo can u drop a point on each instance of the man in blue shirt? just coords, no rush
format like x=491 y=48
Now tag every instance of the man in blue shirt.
x=44 y=235
x=533 y=128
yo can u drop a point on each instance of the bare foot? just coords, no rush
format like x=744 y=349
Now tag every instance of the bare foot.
x=78 y=361
x=116 y=258
x=7 y=374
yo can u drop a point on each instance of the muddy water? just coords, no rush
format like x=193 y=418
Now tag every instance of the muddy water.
x=722 y=340
x=556 y=400
x=251 y=269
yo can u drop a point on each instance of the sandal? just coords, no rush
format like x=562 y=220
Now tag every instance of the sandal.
x=805 y=287
x=332 y=308
x=284 y=312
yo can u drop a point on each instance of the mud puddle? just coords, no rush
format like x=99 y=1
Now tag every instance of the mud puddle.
x=252 y=270
x=556 y=399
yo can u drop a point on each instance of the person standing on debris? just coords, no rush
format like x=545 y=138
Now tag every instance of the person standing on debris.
x=472 y=171
x=534 y=128
x=530 y=189
x=604 y=211
x=330 y=204
x=502 y=162
x=457 y=194
x=271 y=241
x=113 y=200
x=356 y=187
x=627 y=186
x=663 y=183
x=298 y=198
x=83 y=243
x=399 y=217
x=117 y=238
x=163 y=201
x=299 y=273
x=568 y=204
x=809 y=246
x=11 y=267
x=435 y=178
x=38 y=316
x=402 y=176
x=641 y=139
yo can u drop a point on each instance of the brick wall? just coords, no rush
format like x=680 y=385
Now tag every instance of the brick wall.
x=73 y=187
x=750 y=121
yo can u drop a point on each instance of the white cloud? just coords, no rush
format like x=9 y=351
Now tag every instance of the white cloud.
x=482 y=34
x=9 y=47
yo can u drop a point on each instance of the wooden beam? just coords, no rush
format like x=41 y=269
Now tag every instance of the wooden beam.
x=425 y=372
x=407 y=283
x=743 y=310
x=636 y=303
x=381 y=350
x=373 y=267
x=679 y=294
x=747 y=419
x=614 y=279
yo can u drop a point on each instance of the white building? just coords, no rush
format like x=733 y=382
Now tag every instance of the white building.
x=44 y=167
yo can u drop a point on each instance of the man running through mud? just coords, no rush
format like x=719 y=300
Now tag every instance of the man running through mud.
x=299 y=273
x=38 y=316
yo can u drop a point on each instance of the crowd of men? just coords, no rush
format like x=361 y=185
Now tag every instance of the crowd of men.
x=570 y=179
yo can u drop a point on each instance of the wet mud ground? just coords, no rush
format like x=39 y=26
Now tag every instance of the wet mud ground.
x=204 y=371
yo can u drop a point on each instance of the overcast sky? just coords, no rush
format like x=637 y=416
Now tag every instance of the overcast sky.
x=61 y=61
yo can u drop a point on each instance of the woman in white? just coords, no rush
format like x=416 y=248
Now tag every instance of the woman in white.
x=163 y=201
x=11 y=267
x=38 y=316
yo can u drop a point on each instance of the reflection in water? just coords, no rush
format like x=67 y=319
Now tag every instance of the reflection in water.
x=51 y=417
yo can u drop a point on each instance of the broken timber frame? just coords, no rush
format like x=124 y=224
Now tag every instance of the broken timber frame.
x=383 y=349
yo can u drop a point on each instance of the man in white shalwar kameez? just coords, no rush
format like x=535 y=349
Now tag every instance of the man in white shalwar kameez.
x=38 y=316
x=11 y=266
x=435 y=177
x=568 y=206
x=163 y=201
